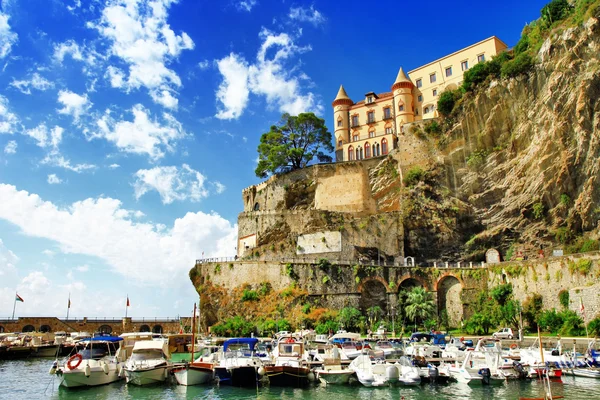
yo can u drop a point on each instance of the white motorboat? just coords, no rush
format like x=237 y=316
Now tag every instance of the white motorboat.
x=389 y=351
x=409 y=374
x=291 y=366
x=238 y=364
x=148 y=363
x=484 y=365
x=372 y=373
x=95 y=364
x=332 y=371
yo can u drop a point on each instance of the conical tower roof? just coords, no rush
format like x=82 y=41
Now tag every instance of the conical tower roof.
x=402 y=80
x=342 y=97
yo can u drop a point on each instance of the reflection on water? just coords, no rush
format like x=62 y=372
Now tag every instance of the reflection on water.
x=29 y=379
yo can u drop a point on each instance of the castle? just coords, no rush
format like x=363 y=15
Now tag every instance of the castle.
x=370 y=127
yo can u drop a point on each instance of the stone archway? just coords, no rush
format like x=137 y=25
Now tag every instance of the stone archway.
x=157 y=329
x=408 y=282
x=373 y=293
x=45 y=328
x=449 y=289
x=105 y=329
x=28 y=328
x=144 y=328
x=1 y=329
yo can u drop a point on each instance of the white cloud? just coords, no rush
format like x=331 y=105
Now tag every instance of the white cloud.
x=116 y=76
x=142 y=136
x=219 y=187
x=53 y=179
x=7 y=37
x=8 y=259
x=171 y=183
x=246 y=5
x=36 y=81
x=83 y=268
x=45 y=138
x=11 y=147
x=35 y=282
x=73 y=104
x=72 y=49
x=114 y=166
x=233 y=92
x=205 y=64
x=309 y=15
x=267 y=77
x=8 y=120
x=56 y=160
x=140 y=36
x=101 y=228
x=164 y=98
x=48 y=253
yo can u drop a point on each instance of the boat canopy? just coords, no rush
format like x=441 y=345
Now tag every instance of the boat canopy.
x=145 y=345
x=346 y=336
x=251 y=342
x=111 y=339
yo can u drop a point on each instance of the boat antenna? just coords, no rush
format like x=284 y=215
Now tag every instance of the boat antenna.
x=193 y=332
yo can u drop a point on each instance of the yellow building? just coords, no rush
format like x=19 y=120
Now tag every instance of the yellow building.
x=369 y=127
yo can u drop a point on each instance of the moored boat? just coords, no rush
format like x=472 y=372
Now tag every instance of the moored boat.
x=291 y=366
x=238 y=365
x=148 y=363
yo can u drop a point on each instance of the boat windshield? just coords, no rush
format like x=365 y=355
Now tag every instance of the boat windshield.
x=147 y=354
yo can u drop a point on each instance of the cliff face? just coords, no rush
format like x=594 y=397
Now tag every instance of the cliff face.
x=523 y=155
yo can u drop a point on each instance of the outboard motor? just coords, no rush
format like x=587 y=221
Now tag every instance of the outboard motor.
x=486 y=374
x=520 y=370
x=392 y=373
x=434 y=374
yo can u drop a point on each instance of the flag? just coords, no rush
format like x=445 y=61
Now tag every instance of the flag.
x=582 y=308
x=19 y=298
x=128 y=301
x=69 y=303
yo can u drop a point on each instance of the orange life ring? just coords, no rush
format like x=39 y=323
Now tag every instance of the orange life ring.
x=513 y=346
x=77 y=357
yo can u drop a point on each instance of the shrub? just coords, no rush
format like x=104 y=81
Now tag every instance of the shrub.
x=563 y=298
x=249 y=295
x=531 y=308
x=306 y=308
x=589 y=245
x=555 y=11
x=521 y=64
x=538 y=210
x=594 y=327
x=433 y=128
x=573 y=325
x=522 y=45
x=502 y=293
x=563 y=235
x=323 y=263
x=550 y=321
x=582 y=267
x=447 y=101
x=475 y=76
x=477 y=158
x=565 y=200
x=414 y=176
x=264 y=289
x=218 y=269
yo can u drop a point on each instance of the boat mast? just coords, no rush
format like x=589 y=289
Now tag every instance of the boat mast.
x=193 y=332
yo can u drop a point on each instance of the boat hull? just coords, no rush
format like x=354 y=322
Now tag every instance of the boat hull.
x=245 y=376
x=334 y=377
x=283 y=375
x=149 y=376
x=46 y=351
x=77 y=378
x=190 y=375
x=15 y=352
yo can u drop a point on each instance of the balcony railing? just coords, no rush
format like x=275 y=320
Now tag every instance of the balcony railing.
x=385 y=117
x=354 y=125
x=371 y=120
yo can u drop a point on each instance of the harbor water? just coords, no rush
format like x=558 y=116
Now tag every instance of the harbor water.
x=29 y=379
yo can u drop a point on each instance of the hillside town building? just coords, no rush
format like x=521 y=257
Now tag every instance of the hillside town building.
x=369 y=128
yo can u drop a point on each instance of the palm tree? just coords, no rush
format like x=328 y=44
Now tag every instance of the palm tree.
x=419 y=305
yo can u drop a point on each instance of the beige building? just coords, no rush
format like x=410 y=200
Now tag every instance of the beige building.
x=368 y=128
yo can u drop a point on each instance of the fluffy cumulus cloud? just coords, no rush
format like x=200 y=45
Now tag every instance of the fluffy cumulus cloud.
x=101 y=227
x=70 y=48
x=143 y=135
x=139 y=35
x=7 y=37
x=36 y=81
x=11 y=147
x=245 y=5
x=8 y=120
x=307 y=14
x=73 y=104
x=269 y=77
x=46 y=138
x=8 y=260
x=53 y=179
x=171 y=183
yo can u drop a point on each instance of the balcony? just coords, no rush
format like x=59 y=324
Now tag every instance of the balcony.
x=386 y=117
x=371 y=120
x=354 y=125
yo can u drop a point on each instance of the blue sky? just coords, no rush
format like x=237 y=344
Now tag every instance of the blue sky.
x=129 y=128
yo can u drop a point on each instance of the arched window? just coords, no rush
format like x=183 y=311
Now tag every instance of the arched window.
x=45 y=328
x=340 y=142
x=371 y=132
x=157 y=329
x=376 y=150
x=384 y=146
x=350 y=153
x=106 y=329
x=28 y=328
x=1 y=329
x=359 y=153
x=256 y=207
x=367 y=150
x=144 y=328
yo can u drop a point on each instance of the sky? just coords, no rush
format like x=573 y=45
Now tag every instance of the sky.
x=128 y=128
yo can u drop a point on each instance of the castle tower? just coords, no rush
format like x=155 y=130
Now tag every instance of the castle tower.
x=403 y=99
x=341 y=120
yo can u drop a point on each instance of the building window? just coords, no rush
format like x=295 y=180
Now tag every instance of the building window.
x=355 y=120
x=464 y=65
x=355 y=138
x=372 y=133
x=369 y=100
x=417 y=111
x=388 y=130
x=480 y=58
x=376 y=151
x=419 y=83
x=448 y=71
x=367 y=150
x=387 y=113
x=420 y=98
x=370 y=117
x=426 y=110
x=359 y=153
x=339 y=122
x=384 y=147
x=400 y=107
x=340 y=143
x=435 y=92
x=350 y=153
x=432 y=78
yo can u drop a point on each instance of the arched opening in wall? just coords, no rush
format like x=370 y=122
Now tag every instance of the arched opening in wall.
x=373 y=294
x=105 y=329
x=256 y=207
x=384 y=146
x=157 y=329
x=359 y=153
x=144 y=328
x=404 y=288
x=376 y=150
x=367 y=150
x=247 y=200
x=350 y=153
x=450 y=307
x=28 y=328
x=45 y=328
x=1 y=329
x=340 y=142
x=451 y=86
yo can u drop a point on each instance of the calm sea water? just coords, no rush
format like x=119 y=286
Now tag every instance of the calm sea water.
x=29 y=379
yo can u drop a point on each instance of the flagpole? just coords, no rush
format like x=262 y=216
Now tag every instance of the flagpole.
x=126 y=305
x=14 y=306
x=68 y=305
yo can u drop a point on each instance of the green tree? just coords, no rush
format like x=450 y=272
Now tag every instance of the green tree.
x=420 y=305
x=350 y=318
x=293 y=144
x=532 y=307
x=447 y=101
